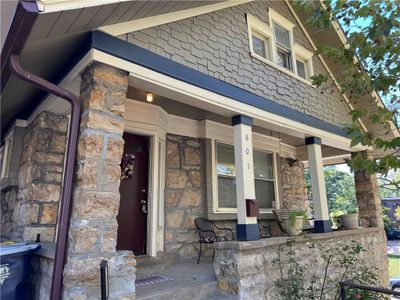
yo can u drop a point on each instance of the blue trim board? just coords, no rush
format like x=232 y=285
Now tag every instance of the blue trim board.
x=247 y=232
x=241 y=119
x=145 y=58
x=322 y=226
x=313 y=140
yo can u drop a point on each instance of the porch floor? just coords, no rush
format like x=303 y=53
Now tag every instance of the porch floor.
x=191 y=281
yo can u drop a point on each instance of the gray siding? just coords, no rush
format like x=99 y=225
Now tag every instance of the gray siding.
x=217 y=44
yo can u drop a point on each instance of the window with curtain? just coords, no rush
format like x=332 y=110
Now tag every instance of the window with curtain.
x=226 y=176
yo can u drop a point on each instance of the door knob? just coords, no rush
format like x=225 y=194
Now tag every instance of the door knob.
x=143 y=190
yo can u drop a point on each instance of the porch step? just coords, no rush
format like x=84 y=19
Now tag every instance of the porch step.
x=198 y=292
x=190 y=282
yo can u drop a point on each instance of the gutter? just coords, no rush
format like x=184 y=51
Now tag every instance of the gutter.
x=66 y=200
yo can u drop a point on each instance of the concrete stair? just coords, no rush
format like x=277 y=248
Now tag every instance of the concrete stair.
x=191 y=282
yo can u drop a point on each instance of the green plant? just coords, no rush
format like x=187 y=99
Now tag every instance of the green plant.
x=352 y=211
x=341 y=262
x=388 y=223
x=335 y=215
x=297 y=213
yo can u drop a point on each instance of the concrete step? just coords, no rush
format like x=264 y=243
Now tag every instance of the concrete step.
x=199 y=292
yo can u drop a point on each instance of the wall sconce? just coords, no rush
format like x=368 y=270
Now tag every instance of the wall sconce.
x=149 y=97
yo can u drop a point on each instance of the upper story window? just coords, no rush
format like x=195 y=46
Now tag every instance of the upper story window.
x=264 y=180
x=274 y=44
x=283 y=47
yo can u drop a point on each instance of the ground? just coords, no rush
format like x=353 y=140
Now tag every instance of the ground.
x=394 y=266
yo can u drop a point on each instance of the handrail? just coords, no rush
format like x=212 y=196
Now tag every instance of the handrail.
x=351 y=285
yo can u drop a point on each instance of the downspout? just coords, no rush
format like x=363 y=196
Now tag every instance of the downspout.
x=66 y=199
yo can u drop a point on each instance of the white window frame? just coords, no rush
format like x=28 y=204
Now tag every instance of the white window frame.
x=257 y=26
x=304 y=55
x=216 y=208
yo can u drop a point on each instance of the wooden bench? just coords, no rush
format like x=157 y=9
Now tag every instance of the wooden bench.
x=284 y=214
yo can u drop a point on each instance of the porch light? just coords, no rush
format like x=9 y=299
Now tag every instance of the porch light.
x=149 y=97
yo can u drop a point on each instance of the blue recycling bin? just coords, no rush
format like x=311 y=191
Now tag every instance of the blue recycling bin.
x=14 y=270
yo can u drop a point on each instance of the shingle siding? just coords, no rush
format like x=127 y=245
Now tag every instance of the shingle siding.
x=217 y=44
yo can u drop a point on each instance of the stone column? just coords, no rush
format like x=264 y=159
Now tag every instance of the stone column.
x=93 y=226
x=320 y=202
x=368 y=197
x=247 y=228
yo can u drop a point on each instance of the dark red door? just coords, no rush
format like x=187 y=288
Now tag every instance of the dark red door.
x=132 y=215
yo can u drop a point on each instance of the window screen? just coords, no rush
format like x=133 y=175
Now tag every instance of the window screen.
x=263 y=177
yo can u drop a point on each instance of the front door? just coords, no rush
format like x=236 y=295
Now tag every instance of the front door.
x=132 y=215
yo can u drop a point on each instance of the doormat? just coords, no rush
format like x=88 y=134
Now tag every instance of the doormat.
x=152 y=279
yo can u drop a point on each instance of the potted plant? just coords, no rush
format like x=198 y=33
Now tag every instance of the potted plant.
x=294 y=225
x=350 y=220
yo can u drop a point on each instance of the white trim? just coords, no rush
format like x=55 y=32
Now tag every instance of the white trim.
x=48 y=6
x=135 y=25
x=305 y=56
x=198 y=97
x=278 y=18
x=145 y=119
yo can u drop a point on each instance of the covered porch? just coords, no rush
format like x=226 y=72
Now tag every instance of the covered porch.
x=192 y=121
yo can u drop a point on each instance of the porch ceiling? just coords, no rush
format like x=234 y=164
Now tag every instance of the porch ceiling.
x=56 y=41
x=330 y=154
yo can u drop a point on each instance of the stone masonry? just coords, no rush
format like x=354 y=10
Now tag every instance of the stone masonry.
x=368 y=196
x=184 y=199
x=217 y=44
x=39 y=178
x=247 y=271
x=294 y=190
x=93 y=224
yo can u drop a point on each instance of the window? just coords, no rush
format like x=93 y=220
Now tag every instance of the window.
x=303 y=62
x=283 y=47
x=260 y=38
x=274 y=45
x=301 y=68
x=226 y=176
x=260 y=44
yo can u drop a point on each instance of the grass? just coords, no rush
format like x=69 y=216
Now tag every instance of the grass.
x=394 y=266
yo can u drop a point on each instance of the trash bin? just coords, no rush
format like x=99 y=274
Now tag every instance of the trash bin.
x=14 y=270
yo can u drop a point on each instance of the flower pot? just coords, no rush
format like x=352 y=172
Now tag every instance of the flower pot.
x=293 y=229
x=349 y=221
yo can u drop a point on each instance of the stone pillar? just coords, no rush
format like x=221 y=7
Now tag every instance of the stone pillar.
x=93 y=226
x=320 y=202
x=368 y=197
x=247 y=228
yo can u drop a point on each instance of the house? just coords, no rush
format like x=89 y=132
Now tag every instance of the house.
x=123 y=121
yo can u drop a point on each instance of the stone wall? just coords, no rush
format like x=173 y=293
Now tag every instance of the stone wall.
x=246 y=270
x=42 y=272
x=93 y=225
x=293 y=181
x=217 y=44
x=39 y=178
x=184 y=195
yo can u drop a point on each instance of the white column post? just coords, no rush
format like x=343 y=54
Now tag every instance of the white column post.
x=320 y=202
x=247 y=228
